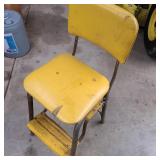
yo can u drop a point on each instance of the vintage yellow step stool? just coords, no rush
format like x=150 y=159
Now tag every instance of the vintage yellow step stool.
x=70 y=89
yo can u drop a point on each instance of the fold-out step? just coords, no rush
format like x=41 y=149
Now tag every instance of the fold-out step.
x=51 y=134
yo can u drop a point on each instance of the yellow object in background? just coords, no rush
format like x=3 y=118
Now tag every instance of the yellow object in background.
x=151 y=27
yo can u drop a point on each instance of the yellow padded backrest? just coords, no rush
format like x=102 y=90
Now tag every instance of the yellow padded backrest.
x=108 y=26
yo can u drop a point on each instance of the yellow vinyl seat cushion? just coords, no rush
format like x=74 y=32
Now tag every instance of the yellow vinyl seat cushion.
x=67 y=87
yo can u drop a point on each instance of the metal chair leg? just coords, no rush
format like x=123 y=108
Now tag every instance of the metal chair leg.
x=104 y=110
x=83 y=131
x=75 y=138
x=75 y=46
x=106 y=97
x=30 y=108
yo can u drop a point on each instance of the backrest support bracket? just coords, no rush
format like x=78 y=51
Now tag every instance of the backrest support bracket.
x=113 y=77
x=75 y=46
x=114 y=73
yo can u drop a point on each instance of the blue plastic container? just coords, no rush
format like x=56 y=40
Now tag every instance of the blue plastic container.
x=16 y=43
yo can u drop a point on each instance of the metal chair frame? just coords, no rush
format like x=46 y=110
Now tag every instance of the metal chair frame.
x=76 y=138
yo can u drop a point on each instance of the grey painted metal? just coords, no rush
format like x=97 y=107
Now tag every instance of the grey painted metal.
x=75 y=138
x=114 y=75
x=83 y=131
x=30 y=108
x=105 y=99
x=75 y=45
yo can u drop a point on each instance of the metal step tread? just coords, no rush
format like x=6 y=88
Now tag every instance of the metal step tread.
x=50 y=133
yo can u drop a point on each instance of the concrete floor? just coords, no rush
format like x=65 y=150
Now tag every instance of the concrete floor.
x=130 y=126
